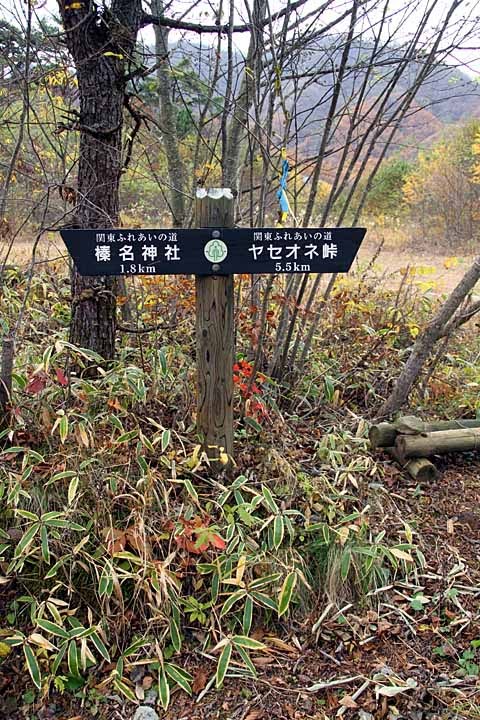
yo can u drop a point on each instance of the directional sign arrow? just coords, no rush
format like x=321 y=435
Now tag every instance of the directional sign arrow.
x=217 y=251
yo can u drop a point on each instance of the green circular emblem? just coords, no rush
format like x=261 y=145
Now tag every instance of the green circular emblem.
x=216 y=251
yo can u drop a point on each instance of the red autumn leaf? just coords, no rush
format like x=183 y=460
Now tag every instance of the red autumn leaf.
x=218 y=542
x=205 y=540
x=61 y=377
x=199 y=548
x=185 y=543
x=37 y=383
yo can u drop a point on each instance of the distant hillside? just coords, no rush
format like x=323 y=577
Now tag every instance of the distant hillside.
x=447 y=97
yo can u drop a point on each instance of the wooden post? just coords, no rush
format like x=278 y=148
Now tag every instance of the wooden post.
x=215 y=338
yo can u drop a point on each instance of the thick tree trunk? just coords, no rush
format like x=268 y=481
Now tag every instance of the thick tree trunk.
x=94 y=302
x=426 y=340
x=101 y=44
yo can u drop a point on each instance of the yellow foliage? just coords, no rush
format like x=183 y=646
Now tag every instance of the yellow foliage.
x=414 y=185
x=450 y=262
x=427 y=285
x=60 y=77
x=324 y=189
x=476 y=154
x=4 y=650
x=418 y=270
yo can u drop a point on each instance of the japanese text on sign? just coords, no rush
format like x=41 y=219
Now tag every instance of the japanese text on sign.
x=212 y=251
x=128 y=247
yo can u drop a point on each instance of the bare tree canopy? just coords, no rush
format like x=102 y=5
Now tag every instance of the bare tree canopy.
x=224 y=94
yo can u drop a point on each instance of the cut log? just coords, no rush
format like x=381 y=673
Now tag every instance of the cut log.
x=419 y=469
x=437 y=443
x=384 y=434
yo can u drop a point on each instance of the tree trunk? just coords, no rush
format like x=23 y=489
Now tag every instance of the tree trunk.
x=6 y=370
x=101 y=44
x=238 y=126
x=176 y=169
x=426 y=340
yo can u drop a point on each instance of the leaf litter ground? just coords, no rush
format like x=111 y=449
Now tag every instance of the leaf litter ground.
x=413 y=652
x=420 y=640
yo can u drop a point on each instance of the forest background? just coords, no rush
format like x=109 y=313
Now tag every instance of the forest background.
x=132 y=573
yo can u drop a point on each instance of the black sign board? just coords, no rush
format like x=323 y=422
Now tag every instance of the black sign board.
x=210 y=251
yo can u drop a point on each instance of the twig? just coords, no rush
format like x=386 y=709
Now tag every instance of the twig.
x=141 y=331
x=406 y=617
x=334 y=683
x=330 y=657
x=322 y=617
x=354 y=696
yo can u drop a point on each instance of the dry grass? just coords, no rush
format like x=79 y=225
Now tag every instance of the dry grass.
x=429 y=268
x=20 y=251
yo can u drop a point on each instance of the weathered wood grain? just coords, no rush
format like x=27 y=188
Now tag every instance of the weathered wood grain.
x=215 y=342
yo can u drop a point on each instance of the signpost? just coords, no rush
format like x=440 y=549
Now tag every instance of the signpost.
x=213 y=253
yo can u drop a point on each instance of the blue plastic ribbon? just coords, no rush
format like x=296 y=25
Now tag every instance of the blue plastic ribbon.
x=282 y=192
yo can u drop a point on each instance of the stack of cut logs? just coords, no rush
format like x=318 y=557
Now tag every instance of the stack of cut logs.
x=410 y=441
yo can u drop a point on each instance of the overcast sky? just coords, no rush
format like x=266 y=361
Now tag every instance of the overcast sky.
x=204 y=11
